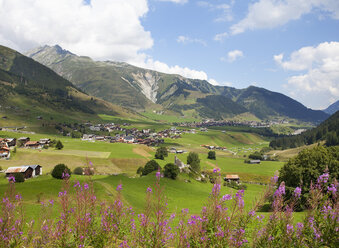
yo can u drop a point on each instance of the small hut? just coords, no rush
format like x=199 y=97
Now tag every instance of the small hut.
x=232 y=178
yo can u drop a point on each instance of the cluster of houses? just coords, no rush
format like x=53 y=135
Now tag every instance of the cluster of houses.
x=26 y=142
x=135 y=136
x=213 y=123
x=7 y=143
x=28 y=171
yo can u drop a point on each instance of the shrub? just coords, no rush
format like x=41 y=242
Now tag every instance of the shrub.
x=59 y=145
x=139 y=170
x=235 y=185
x=171 y=171
x=211 y=155
x=150 y=166
x=60 y=170
x=19 y=177
x=161 y=153
x=78 y=171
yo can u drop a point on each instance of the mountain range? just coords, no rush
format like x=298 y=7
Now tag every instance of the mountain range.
x=147 y=90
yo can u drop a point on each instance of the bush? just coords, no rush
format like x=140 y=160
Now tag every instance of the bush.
x=235 y=185
x=59 y=170
x=161 y=153
x=59 y=145
x=171 y=171
x=19 y=177
x=139 y=170
x=78 y=171
x=211 y=155
x=150 y=166
x=255 y=155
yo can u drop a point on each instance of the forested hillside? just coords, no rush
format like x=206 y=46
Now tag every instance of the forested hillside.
x=327 y=131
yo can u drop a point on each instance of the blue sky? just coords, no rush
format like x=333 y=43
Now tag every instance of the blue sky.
x=289 y=46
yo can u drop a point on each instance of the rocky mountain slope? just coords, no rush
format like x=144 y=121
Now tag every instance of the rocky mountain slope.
x=144 y=90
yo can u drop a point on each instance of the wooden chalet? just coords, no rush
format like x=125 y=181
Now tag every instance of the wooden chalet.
x=232 y=178
x=33 y=144
x=28 y=171
x=5 y=152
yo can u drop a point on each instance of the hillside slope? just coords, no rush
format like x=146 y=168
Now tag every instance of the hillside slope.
x=29 y=89
x=334 y=107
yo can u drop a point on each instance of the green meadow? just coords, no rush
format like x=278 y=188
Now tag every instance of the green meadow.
x=117 y=162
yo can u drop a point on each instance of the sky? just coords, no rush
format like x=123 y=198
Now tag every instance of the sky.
x=287 y=46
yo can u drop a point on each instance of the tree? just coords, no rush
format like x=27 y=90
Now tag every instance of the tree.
x=59 y=145
x=307 y=166
x=78 y=171
x=150 y=166
x=211 y=155
x=194 y=161
x=139 y=170
x=161 y=153
x=171 y=171
x=60 y=170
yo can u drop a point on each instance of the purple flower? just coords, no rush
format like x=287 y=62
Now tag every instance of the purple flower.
x=158 y=174
x=86 y=186
x=275 y=179
x=281 y=190
x=297 y=192
x=323 y=178
x=149 y=190
x=332 y=188
x=289 y=228
x=11 y=179
x=216 y=170
x=252 y=213
x=226 y=197
x=119 y=187
x=216 y=189
x=18 y=197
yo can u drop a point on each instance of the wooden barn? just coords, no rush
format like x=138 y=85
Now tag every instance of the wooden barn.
x=28 y=171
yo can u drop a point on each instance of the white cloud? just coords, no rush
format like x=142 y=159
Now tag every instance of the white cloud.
x=319 y=73
x=220 y=37
x=186 y=40
x=217 y=83
x=183 y=71
x=234 y=55
x=104 y=29
x=273 y=13
x=226 y=9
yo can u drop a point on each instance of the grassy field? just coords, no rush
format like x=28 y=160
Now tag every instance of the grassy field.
x=122 y=160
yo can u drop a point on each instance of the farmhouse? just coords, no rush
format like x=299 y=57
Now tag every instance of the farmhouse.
x=24 y=140
x=27 y=170
x=5 y=152
x=33 y=144
x=44 y=141
x=232 y=178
